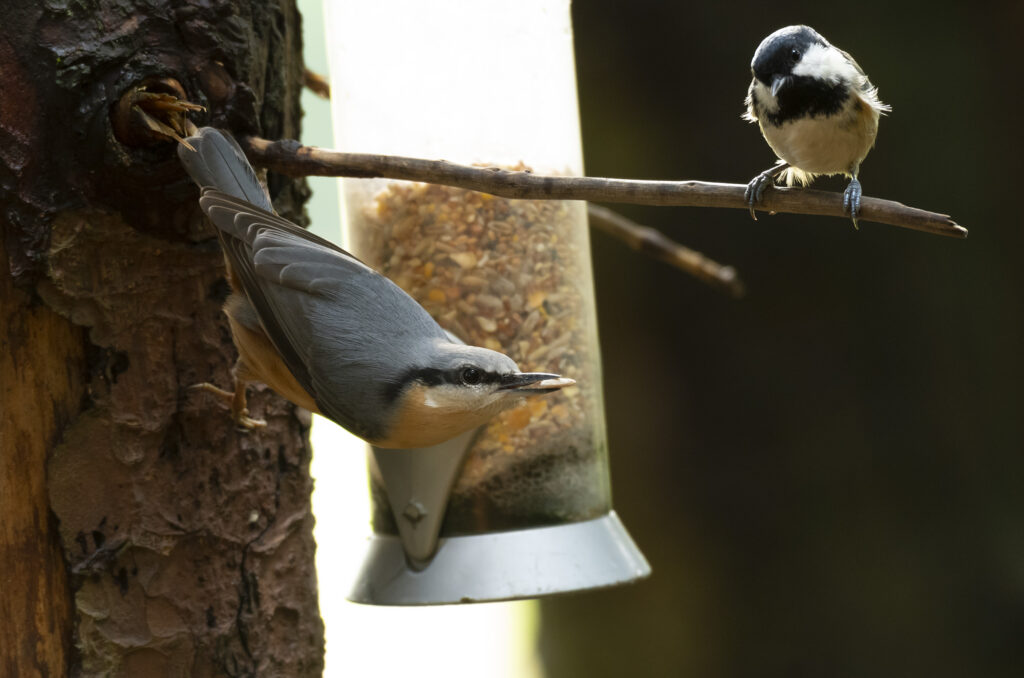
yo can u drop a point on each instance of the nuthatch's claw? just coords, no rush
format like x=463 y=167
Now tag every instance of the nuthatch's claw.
x=247 y=423
x=851 y=200
x=239 y=410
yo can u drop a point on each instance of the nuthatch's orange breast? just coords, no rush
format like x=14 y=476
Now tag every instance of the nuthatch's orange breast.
x=260 y=361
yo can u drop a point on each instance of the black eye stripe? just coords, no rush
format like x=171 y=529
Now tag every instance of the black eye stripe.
x=428 y=376
x=432 y=376
x=436 y=377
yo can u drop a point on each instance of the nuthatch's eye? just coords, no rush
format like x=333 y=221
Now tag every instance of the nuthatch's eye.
x=794 y=54
x=471 y=376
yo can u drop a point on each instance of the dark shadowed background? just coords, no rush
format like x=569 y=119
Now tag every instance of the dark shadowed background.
x=827 y=475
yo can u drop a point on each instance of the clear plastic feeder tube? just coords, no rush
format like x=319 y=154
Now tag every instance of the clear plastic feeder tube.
x=490 y=83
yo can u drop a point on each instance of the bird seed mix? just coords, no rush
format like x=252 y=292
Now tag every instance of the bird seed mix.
x=513 y=276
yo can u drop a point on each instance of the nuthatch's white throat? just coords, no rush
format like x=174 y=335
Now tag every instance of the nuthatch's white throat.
x=816 y=109
x=332 y=335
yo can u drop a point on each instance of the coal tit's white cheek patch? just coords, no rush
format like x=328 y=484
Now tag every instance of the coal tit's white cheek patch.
x=825 y=63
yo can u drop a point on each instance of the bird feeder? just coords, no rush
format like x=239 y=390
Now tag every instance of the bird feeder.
x=521 y=507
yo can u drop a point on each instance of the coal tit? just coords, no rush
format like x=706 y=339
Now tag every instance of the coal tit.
x=816 y=109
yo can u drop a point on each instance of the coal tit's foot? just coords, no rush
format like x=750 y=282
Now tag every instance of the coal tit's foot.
x=851 y=200
x=238 y=404
x=757 y=186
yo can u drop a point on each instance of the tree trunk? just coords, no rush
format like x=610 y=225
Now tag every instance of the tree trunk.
x=141 y=534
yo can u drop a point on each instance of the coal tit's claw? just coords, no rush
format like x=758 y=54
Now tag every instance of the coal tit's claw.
x=759 y=184
x=756 y=188
x=851 y=201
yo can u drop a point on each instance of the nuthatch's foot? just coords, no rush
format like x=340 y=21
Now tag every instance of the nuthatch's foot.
x=851 y=200
x=758 y=185
x=247 y=423
x=239 y=408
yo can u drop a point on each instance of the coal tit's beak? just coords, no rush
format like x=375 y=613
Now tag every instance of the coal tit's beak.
x=778 y=83
x=533 y=383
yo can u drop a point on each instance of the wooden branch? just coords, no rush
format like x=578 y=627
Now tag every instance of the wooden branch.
x=651 y=242
x=293 y=159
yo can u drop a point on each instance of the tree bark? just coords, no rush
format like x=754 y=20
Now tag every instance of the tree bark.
x=142 y=535
x=37 y=400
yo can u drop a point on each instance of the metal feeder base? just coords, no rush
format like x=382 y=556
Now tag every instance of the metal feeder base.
x=503 y=565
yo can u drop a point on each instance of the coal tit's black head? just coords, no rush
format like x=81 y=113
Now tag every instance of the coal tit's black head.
x=781 y=51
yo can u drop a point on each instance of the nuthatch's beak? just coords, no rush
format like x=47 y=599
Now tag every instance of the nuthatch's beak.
x=778 y=83
x=532 y=383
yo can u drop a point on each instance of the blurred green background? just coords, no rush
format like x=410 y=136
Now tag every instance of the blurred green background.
x=827 y=475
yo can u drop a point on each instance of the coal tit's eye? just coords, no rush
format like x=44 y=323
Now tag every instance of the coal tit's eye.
x=471 y=376
x=794 y=54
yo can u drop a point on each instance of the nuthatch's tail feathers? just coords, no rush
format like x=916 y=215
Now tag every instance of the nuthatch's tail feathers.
x=241 y=216
x=218 y=162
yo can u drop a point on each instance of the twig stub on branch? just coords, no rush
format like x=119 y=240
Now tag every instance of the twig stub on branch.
x=651 y=242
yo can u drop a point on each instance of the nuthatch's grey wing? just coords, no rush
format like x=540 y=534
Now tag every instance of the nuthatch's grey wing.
x=213 y=196
x=345 y=331
x=218 y=162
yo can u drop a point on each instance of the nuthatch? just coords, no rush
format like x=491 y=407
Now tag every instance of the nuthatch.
x=332 y=335
x=816 y=109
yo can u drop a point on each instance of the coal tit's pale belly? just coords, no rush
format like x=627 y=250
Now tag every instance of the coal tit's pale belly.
x=826 y=144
